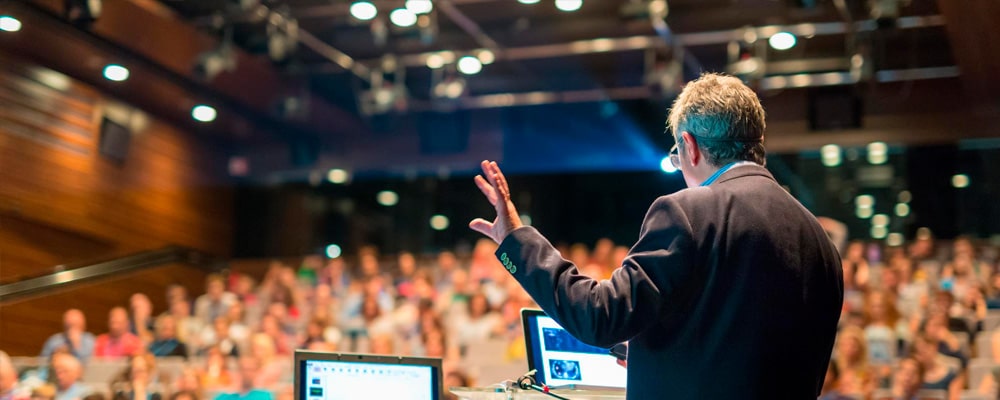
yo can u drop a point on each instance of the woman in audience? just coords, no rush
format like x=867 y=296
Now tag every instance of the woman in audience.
x=270 y=327
x=884 y=329
x=139 y=381
x=947 y=343
x=938 y=373
x=271 y=366
x=481 y=322
x=215 y=375
x=141 y=323
x=906 y=381
x=856 y=270
x=314 y=332
x=856 y=375
x=218 y=336
x=189 y=381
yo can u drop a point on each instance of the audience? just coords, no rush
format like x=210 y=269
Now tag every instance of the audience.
x=67 y=371
x=910 y=321
x=74 y=338
x=118 y=342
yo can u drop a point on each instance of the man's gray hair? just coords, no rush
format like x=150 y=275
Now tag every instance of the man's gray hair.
x=724 y=116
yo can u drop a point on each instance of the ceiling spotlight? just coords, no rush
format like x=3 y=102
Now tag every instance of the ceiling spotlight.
x=469 y=65
x=435 y=61
x=450 y=88
x=337 y=176
x=782 y=41
x=9 y=24
x=830 y=155
x=387 y=198
x=115 y=72
x=403 y=17
x=439 y=222
x=204 y=113
x=865 y=201
x=363 y=10
x=419 y=6
x=486 y=57
x=528 y=1
x=569 y=5
x=960 y=181
x=878 y=153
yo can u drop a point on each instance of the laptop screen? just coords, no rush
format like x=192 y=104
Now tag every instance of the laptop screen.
x=562 y=360
x=332 y=376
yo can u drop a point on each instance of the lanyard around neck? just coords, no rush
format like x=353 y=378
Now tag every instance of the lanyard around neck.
x=718 y=173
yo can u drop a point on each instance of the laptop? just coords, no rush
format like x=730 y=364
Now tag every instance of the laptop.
x=341 y=376
x=562 y=361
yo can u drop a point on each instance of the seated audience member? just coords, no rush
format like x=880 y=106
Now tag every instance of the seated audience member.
x=248 y=388
x=403 y=279
x=382 y=344
x=244 y=290
x=175 y=293
x=481 y=322
x=906 y=380
x=446 y=262
x=938 y=374
x=336 y=275
x=283 y=342
x=993 y=291
x=215 y=302
x=314 y=332
x=215 y=375
x=884 y=331
x=856 y=376
x=936 y=329
x=188 y=327
x=856 y=270
x=67 y=371
x=456 y=379
x=165 y=343
x=139 y=381
x=141 y=321
x=218 y=336
x=74 y=338
x=238 y=329
x=189 y=380
x=270 y=367
x=118 y=342
x=10 y=389
x=831 y=383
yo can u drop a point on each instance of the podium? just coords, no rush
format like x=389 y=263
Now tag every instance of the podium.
x=498 y=393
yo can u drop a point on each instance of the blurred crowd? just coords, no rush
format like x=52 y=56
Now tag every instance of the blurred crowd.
x=918 y=322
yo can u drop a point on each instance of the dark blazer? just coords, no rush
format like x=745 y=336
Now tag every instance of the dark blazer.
x=733 y=291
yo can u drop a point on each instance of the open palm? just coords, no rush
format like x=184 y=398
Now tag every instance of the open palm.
x=494 y=187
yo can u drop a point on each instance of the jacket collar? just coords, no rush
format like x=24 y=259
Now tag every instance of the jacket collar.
x=745 y=171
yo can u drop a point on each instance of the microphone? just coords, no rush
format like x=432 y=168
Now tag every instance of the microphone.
x=528 y=382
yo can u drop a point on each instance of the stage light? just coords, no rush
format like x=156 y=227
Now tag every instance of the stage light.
x=569 y=5
x=528 y=1
x=830 y=154
x=469 y=65
x=115 y=72
x=782 y=41
x=333 y=251
x=363 y=10
x=486 y=57
x=435 y=61
x=9 y=24
x=895 y=239
x=387 y=198
x=902 y=209
x=667 y=166
x=403 y=17
x=878 y=153
x=865 y=201
x=525 y=219
x=879 y=232
x=880 y=220
x=863 y=212
x=419 y=6
x=439 y=222
x=960 y=181
x=337 y=176
x=904 y=196
x=203 y=113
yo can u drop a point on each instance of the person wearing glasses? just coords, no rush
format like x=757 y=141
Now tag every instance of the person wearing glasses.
x=733 y=289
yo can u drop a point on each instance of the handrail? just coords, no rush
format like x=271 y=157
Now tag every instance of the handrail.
x=148 y=259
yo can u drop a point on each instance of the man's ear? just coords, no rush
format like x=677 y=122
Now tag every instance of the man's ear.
x=691 y=148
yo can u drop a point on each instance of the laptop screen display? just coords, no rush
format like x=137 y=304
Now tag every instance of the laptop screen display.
x=562 y=360
x=362 y=378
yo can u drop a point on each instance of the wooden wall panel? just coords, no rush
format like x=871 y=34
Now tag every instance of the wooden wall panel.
x=25 y=325
x=62 y=202
x=169 y=190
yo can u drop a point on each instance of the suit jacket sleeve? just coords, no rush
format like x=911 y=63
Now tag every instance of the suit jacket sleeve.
x=610 y=311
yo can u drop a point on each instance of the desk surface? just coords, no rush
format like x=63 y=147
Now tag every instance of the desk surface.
x=497 y=393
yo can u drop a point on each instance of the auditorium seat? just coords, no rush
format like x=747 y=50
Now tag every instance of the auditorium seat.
x=979 y=368
x=103 y=370
x=984 y=345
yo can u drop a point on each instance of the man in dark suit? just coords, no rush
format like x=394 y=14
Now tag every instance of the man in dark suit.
x=733 y=289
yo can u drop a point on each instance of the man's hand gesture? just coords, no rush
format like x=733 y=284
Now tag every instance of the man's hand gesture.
x=495 y=188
